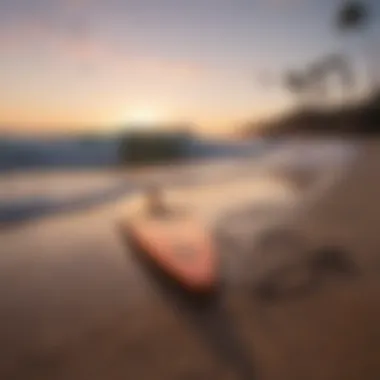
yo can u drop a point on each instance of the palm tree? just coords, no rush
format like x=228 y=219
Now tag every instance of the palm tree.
x=333 y=65
x=296 y=82
x=354 y=16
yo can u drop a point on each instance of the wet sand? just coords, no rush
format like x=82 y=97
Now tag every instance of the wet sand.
x=77 y=304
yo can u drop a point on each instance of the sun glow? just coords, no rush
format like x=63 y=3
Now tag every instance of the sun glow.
x=144 y=116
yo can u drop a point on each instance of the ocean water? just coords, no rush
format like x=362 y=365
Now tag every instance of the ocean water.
x=27 y=195
x=19 y=154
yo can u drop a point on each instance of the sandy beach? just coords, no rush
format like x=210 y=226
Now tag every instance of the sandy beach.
x=76 y=304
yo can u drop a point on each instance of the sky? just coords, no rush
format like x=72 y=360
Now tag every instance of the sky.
x=71 y=65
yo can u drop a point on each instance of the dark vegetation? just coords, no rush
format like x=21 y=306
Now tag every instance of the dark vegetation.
x=360 y=119
x=147 y=148
x=314 y=86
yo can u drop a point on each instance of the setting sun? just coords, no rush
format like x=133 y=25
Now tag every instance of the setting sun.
x=144 y=116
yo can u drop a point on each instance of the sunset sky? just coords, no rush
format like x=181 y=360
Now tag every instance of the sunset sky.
x=73 y=64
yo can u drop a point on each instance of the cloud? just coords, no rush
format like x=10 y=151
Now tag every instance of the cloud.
x=83 y=49
x=20 y=19
x=20 y=35
x=89 y=51
x=62 y=27
x=159 y=66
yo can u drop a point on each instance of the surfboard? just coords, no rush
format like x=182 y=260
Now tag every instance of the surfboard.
x=180 y=246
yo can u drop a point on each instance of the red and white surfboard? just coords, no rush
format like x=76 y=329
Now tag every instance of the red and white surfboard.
x=180 y=246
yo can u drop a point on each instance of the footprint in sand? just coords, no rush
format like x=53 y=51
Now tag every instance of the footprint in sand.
x=302 y=271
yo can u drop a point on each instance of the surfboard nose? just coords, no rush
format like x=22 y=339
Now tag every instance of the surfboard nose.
x=181 y=248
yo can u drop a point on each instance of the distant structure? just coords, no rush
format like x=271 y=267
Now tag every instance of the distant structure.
x=141 y=146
